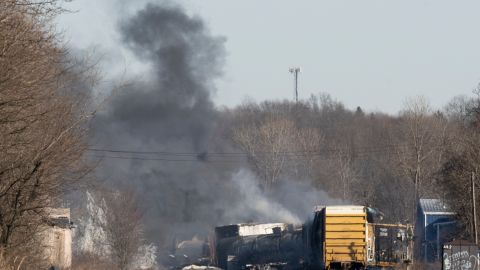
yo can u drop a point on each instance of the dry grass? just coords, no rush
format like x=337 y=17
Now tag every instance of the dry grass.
x=11 y=264
x=91 y=262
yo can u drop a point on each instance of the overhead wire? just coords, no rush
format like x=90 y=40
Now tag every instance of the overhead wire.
x=231 y=157
x=300 y=152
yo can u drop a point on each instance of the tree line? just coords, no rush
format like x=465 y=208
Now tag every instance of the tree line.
x=42 y=124
x=386 y=161
x=369 y=158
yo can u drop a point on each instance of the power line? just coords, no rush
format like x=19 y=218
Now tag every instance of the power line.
x=233 y=157
x=163 y=152
x=162 y=159
x=294 y=153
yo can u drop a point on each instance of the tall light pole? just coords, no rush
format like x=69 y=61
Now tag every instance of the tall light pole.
x=295 y=71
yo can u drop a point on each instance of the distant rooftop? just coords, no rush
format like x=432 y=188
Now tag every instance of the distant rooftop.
x=435 y=206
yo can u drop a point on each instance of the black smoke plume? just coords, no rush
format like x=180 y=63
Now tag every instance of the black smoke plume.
x=169 y=111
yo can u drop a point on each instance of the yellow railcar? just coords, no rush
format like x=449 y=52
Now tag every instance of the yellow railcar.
x=345 y=236
x=337 y=238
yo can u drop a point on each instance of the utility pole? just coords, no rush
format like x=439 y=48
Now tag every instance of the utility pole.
x=295 y=71
x=474 y=210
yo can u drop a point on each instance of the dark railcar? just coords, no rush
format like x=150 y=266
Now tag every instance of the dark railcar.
x=338 y=237
x=280 y=247
x=390 y=246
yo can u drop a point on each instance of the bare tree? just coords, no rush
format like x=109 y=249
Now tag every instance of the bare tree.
x=115 y=228
x=42 y=122
x=421 y=147
x=462 y=159
x=123 y=227
x=275 y=144
x=345 y=172
x=267 y=146
x=307 y=142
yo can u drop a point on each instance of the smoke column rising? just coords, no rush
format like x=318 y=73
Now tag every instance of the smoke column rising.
x=170 y=109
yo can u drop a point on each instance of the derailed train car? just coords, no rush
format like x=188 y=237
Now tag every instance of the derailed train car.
x=338 y=237
x=389 y=245
x=254 y=245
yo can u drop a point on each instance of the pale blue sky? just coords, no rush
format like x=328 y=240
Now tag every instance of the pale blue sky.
x=368 y=53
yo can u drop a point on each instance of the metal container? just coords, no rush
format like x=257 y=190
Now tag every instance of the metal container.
x=459 y=255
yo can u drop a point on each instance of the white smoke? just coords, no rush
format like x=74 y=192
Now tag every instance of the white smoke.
x=89 y=235
x=288 y=201
x=256 y=202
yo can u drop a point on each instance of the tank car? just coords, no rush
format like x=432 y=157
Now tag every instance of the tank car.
x=271 y=245
x=337 y=237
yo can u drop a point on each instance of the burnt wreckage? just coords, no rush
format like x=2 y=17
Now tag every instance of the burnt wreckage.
x=337 y=237
x=255 y=245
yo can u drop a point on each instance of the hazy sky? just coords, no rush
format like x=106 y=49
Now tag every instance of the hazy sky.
x=368 y=53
